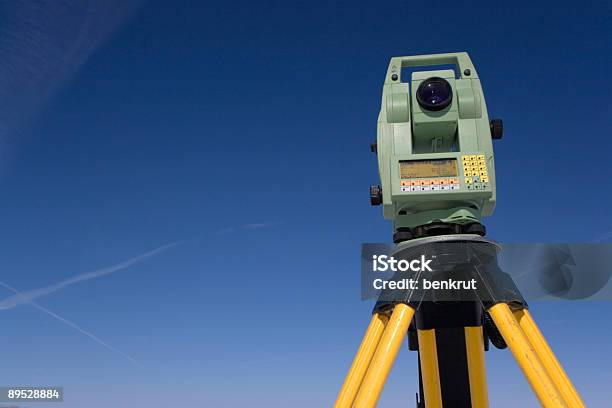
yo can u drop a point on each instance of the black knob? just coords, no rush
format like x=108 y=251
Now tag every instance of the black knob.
x=401 y=235
x=374 y=147
x=497 y=128
x=475 y=228
x=375 y=195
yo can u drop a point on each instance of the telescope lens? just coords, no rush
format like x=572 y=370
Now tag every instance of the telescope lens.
x=434 y=94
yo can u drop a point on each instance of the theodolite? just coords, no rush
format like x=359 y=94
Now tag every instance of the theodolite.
x=434 y=148
x=437 y=182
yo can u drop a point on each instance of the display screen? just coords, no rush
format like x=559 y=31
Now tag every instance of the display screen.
x=428 y=168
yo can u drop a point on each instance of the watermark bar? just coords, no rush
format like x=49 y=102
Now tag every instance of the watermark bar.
x=31 y=394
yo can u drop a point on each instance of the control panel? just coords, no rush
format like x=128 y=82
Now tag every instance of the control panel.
x=464 y=172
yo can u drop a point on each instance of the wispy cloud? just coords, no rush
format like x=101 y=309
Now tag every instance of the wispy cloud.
x=30 y=295
x=252 y=226
x=69 y=323
x=44 y=43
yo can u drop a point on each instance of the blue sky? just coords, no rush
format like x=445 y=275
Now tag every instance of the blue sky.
x=241 y=130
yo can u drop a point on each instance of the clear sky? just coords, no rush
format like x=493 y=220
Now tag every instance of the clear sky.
x=241 y=130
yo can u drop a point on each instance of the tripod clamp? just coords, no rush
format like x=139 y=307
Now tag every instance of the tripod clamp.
x=459 y=257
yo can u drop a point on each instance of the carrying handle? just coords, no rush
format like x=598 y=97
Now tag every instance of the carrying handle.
x=460 y=59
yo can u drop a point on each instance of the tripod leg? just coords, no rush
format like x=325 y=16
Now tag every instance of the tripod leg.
x=362 y=360
x=526 y=356
x=474 y=343
x=384 y=357
x=550 y=362
x=430 y=374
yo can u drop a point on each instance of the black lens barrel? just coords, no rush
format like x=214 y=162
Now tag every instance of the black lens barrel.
x=434 y=94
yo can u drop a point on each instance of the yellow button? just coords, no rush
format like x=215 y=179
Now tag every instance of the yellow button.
x=482 y=168
x=481 y=157
x=468 y=180
x=483 y=173
x=484 y=179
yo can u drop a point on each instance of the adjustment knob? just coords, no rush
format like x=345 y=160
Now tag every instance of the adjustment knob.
x=475 y=228
x=375 y=195
x=497 y=128
x=402 y=234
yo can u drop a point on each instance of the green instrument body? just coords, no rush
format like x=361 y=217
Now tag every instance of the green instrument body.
x=435 y=166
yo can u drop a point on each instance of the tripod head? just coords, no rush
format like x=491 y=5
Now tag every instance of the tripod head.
x=434 y=148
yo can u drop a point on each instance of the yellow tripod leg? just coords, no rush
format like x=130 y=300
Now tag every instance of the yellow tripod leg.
x=430 y=371
x=550 y=362
x=526 y=356
x=474 y=344
x=362 y=360
x=384 y=357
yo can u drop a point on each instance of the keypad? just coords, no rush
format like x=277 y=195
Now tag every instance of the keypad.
x=475 y=173
x=434 y=184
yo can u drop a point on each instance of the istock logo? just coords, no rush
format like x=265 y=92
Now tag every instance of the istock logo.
x=383 y=263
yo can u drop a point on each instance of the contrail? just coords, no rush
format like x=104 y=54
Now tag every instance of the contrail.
x=28 y=296
x=71 y=324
